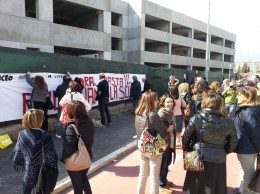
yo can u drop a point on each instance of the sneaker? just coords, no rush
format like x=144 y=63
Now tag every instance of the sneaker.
x=135 y=136
x=58 y=136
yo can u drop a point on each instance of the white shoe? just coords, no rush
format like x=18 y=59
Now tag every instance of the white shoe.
x=135 y=136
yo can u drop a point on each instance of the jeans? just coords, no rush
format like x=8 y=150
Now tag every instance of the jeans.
x=80 y=181
x=247 y=162
x=152 y=164
x=103 y=109
x=166 y=161
x=42 y=106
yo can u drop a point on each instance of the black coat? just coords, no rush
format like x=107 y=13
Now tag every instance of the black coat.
x=103 y=89
x=135 y=91
x=61 y=90
x=247 y=122
x=216 y=133
x=70 y=143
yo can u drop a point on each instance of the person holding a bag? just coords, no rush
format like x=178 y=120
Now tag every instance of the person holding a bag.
x=81 y=124
x=33 y=150
x=211 y=134
x=147 y=119
x=247 y=123
x=39 y=96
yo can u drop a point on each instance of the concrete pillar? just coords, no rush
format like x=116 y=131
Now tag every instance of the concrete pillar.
x=191 y=52
x=191 y=33
x=223 y=57
x=124 y=21
x=169 y=66
x=44 y=10
x=106 y=18
x=100 y=21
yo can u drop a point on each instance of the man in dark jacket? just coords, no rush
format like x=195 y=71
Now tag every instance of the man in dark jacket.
x=147 y=86
x=135 y=91
x=59 y=93
x=103 y=99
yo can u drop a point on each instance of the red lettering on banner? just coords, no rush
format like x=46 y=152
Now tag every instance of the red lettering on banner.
x=91 y=95
x=26 y=101
x=110 y=93
x=88 y=81
x=115 y=92
x=122 y=92
x=127 y=91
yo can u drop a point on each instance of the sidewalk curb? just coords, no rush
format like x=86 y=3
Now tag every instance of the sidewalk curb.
x=66 y=182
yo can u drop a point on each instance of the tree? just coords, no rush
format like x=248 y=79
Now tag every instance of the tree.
x=245 y=68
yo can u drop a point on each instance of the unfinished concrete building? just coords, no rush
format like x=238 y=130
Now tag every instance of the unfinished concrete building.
x=127 y=31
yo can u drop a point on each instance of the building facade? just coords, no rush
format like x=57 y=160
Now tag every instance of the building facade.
x=133 y=31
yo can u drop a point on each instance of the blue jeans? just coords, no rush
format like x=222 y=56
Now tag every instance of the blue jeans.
x=166 y=161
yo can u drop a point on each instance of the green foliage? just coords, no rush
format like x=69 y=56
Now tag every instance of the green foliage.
x=245 y=68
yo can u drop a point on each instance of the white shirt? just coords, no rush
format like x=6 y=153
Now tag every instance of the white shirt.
x=76 y=96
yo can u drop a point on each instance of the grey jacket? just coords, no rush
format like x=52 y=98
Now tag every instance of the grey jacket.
x=155 y=122
x=37 y=94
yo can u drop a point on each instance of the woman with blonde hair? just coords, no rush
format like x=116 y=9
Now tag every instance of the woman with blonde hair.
x=147 y=118
x=34 y=148
x=247 y=123
x=215 y=86
x=213 y=135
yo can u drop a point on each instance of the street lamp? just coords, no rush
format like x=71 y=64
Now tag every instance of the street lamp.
x=207 y=47
x=230 y=66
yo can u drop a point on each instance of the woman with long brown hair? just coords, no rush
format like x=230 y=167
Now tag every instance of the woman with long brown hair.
x=78 y=116
x=39 y=96
x=147 y=118
x=213 y=135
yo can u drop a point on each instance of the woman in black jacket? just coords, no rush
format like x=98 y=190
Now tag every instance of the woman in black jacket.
x=247 y=123
x=215 y=135
x=77 y=114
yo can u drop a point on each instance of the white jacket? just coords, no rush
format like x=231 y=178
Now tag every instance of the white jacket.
x=75 y=96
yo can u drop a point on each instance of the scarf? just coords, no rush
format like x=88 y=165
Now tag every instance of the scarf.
x=33 y=148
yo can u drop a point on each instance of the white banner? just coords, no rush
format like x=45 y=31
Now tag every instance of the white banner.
x=15 y=93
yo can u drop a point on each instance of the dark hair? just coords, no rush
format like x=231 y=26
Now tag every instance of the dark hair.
x=163 y=98
x=74 y=86
x=75 y=110
x=174 y=91
x=78 y=80
x=202 y=87
x=39 y=82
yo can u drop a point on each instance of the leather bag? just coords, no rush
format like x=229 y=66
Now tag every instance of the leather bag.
x=80 y=160
x=254 y=184
x=192 y=160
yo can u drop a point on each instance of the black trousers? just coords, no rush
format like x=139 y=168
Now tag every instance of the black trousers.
x=80 y=181
x=166 y=161
x=42 y=106
x=103 y=109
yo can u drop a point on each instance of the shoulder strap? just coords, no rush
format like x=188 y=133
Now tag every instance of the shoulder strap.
x=76 y=130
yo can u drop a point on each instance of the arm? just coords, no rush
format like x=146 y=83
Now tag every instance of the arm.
x=18 y=157
x=29 y=80
x=69 y=143
x=64 y=100
x=188 y=135
x=231 y=140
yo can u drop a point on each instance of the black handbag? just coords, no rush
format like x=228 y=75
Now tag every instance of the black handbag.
x=254 y=184
x=47 y=177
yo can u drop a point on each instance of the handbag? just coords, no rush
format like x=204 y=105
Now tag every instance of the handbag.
x=192 y=160
x=254 y=184
x=80 y=160
x=150 y=142
x=64 y=117
x=47 y=177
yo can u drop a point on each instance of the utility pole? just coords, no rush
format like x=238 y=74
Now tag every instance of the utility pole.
x=207 y=47
x=229 y=74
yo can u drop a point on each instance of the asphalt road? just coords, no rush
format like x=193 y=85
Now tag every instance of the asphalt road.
x=107 y=140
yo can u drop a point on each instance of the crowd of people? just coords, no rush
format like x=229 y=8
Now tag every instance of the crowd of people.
x=217 y=119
